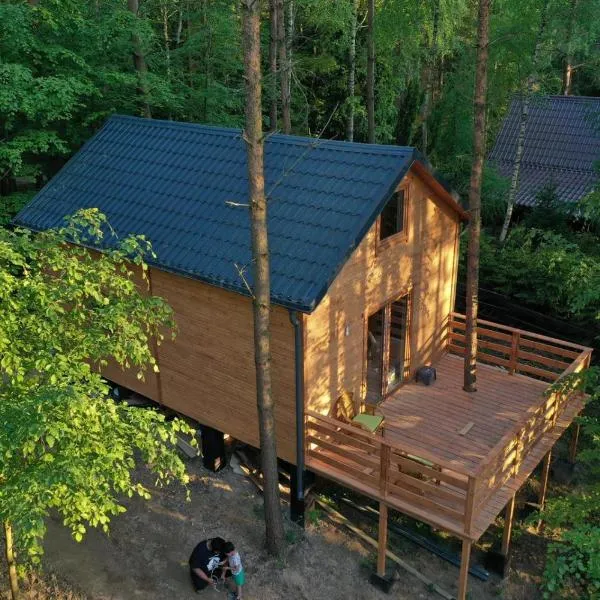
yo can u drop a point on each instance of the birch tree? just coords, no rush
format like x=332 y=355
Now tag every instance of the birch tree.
x=253 y=135
x=524 y=116
x=371 y=71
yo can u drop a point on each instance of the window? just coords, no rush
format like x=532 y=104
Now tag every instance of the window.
x=392 y=216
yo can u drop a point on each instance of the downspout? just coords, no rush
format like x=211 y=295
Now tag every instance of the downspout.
x=299 y=369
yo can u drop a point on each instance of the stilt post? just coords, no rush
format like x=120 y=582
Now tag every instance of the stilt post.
x=379 y=578
x=464 y=570
x=383 y=535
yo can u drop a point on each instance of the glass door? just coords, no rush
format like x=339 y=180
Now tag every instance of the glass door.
x=375 y=356
x=387 y=349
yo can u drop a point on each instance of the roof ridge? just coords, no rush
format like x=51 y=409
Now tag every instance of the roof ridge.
x=279 y=138
x=546 y=167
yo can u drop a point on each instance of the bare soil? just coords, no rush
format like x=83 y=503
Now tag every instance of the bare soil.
x=146 y=554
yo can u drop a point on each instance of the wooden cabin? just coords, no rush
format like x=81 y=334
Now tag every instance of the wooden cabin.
x=364 y=253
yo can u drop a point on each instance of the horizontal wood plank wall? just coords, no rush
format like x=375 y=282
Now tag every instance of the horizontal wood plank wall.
x=208 y=372
x=424 y=263
x=148 y=386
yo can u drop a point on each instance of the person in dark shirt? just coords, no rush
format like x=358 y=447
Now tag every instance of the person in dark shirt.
x=204 y=563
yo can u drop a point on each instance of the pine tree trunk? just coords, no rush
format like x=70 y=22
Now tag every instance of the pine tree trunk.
x=15 y=593
x=273 y=41
x=525 y=101
x=262 y=294
x=284 y=68
x=430 y=74
x=371 y=71
x=352 y=71
x=568 y=63
x=139 y=63
x=289 y=39
x=472 y=299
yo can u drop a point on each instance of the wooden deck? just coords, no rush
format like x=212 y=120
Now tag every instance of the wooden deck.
x=453 y=459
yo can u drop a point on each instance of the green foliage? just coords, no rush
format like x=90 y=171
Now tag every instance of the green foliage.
x=65 y=446
x=573 y=521
x=544 y=270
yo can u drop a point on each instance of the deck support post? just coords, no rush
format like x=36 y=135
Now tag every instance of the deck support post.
x=213 y=448
x=463 y=579
x=383 y=535
x=574 y=441
x=380 y=579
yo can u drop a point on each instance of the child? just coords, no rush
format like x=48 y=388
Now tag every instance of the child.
x=234 y=564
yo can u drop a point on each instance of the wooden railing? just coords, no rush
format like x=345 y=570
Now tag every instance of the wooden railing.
x=421 y=485
x=515 y=350
x=531 y=354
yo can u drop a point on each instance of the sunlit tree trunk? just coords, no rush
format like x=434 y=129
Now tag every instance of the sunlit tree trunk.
x=568 y=63
x=525 y=101
x=273 y=41
x=352 y=71
x=472 y=299
x=371 y=71
x=262 y=294
x=139 y=62
x=11 y=562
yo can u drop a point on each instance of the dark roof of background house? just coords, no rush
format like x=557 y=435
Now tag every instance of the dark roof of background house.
x=173 y=183
x=562 y=146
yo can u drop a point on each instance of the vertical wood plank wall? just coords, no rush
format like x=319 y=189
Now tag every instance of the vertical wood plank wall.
x=208 y=372
x=424 y=264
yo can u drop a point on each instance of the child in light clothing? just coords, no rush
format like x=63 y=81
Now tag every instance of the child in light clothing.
x=234 y=564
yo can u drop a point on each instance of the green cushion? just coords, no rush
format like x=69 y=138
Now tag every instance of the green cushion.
x=423 y=461
x=369 y=422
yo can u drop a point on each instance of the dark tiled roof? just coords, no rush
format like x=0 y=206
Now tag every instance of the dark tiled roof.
x=172 y=182
x=562 y=146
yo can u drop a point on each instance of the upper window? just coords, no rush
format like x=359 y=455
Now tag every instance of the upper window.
x=393 y=216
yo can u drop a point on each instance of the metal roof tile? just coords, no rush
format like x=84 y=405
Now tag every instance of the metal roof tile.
x=172 y=181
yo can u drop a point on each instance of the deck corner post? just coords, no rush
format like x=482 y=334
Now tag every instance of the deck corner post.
x=383 y=534
x=463 y=579
x=380 y=579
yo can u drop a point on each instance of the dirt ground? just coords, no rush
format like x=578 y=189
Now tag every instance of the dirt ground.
x=146 y=554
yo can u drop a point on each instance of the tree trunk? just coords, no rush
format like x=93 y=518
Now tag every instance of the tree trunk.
x=284 y=70
x=289 y=39
x=472 y=299
x=371 y=71
x=262 y=293
x=568 y=63
x=15 y=593
x=525 y=101
x=428 y=95
x=207 y=59
x=273 y=41
x=352 y=71
x=139 y=63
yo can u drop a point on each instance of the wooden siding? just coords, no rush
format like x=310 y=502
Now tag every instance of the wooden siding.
x=208 y=372
x=423 y=262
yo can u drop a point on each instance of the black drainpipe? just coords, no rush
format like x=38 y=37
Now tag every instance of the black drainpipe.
x=299 y=366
